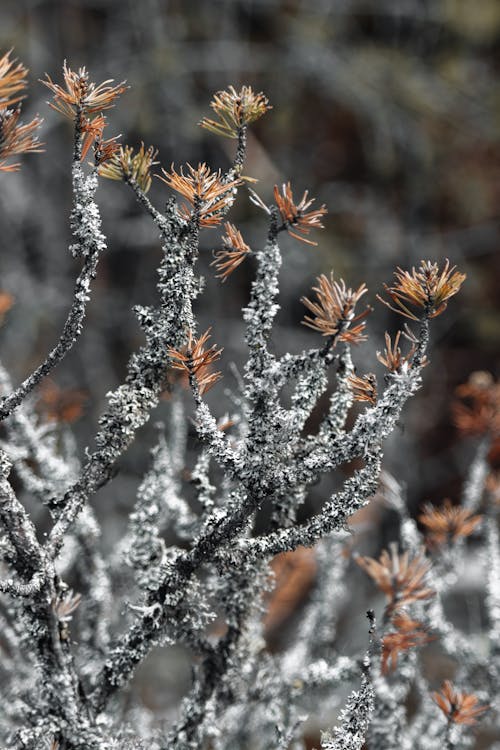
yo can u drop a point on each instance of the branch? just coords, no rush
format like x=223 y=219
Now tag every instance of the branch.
x=89 y=244
x=333 y=517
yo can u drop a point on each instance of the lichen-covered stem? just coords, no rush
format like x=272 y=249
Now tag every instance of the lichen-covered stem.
x=89 y=244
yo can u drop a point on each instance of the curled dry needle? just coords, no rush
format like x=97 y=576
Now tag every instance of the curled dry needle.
x=428 y=288
x=12 y=81
x=477 y=412
x=235 y=110
x=232 y=254
x=194 y=360
x=208 y=195
x=81 y=97
x=363 y=388
x=124 y=164
x=448 y=523
x=334 y=310
x=407 y=633
x=400 y=578
x=105 y=149
x=459 y=708
x=296 y=217
x=93 y=130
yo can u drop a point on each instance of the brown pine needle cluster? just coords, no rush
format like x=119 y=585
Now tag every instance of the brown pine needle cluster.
x=364 y=388
x=125 y=165
x=334 y=310
x=12 y=81
x=235 y=110
x=448 y=523
x=208 y=196
x=81 y=97
x=194 y=360
x=400 y=578
x=232 y=254
x=296 y=217
x=408 y=633
x=459 y=708
x=16 y=138
x=478 y=410
x=392 y=358
x=428 y=288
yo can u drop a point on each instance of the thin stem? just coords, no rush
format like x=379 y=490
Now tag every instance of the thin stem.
x=71 y=331
x=423 y=342
x=89 y=243
x=240 y=150
x=161 y=222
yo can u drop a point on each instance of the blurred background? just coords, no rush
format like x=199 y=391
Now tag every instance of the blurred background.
x=387 y=112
